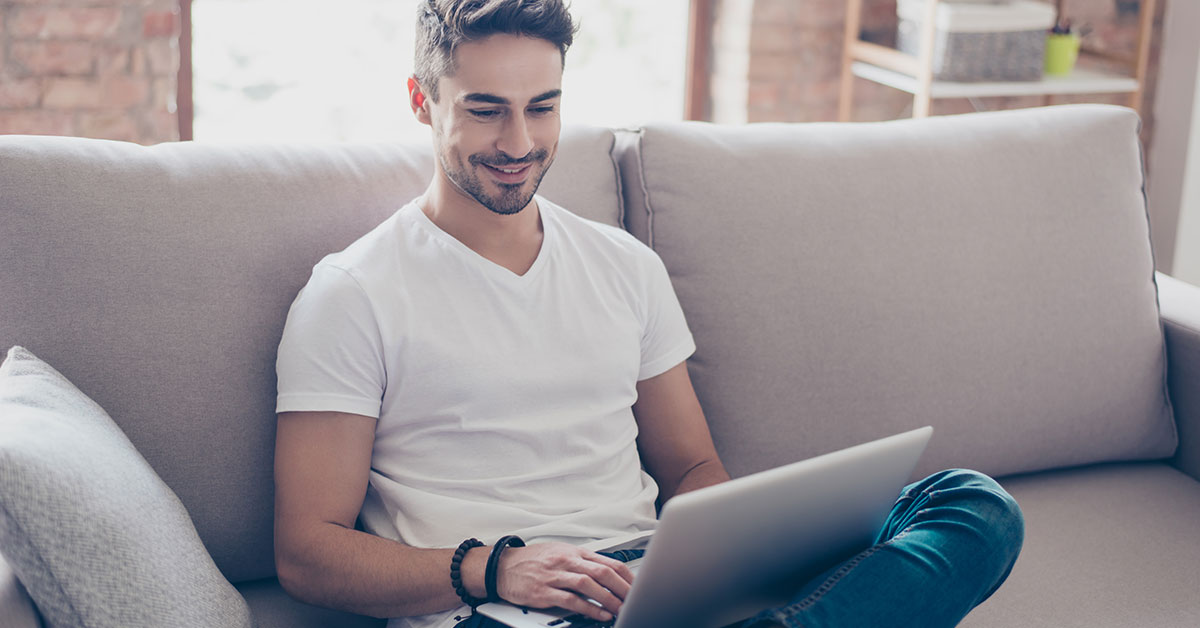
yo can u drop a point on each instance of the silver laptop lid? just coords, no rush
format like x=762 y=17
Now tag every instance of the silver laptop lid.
x=723 y=553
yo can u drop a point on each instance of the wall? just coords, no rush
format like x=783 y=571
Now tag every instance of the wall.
x=1187 y=245
x=1176 y=155
x=93 y=68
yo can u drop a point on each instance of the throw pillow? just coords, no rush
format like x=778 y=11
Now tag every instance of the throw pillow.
x=92 y=532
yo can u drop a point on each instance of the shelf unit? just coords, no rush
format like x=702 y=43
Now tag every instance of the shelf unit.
x=914 y=74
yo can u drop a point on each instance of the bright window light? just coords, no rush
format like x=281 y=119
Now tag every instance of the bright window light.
x=313 y=70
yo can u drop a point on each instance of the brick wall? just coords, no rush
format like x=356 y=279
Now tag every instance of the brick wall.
x=92 y=68
x=794 y=59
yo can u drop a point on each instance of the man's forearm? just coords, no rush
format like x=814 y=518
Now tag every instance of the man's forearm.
x=354 y=571
x=706 y=473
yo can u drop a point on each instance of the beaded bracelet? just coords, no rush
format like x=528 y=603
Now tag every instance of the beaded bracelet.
x=456 y=572
x=493 y=564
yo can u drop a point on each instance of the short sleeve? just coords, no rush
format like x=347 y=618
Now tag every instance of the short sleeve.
x=666 y=339
x=331 y=355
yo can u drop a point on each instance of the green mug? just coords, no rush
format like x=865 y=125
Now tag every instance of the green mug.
x=1061 y=53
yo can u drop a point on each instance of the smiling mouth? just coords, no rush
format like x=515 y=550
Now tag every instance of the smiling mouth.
x=509 y=174
x=508 y=170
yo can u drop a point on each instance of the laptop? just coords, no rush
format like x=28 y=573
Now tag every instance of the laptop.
x=723 y=553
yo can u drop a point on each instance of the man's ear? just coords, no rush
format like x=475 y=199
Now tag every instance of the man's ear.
x=418 y=101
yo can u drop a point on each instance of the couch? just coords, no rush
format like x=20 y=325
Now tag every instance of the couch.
x=988 y=274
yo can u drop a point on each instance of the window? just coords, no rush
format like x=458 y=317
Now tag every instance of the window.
x=311 y=70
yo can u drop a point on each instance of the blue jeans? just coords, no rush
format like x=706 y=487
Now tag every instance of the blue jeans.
x=948 y=544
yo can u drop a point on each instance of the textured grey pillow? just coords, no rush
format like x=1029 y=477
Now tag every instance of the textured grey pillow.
x=93 y=533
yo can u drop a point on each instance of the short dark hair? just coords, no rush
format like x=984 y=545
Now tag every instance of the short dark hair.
x=444 y=24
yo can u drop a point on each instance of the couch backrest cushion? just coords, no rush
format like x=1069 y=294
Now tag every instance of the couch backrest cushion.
x=989 y=275
x=158 y=279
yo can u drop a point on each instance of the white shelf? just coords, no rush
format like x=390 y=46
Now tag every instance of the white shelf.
x=1080 y=81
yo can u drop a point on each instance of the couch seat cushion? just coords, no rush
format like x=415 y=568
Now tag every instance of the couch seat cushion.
x=16 y=607
x=272 y=607
x=1105 y=546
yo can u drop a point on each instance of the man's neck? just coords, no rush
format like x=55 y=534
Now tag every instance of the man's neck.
x=512 y=241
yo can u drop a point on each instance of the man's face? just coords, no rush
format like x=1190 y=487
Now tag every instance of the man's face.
x=496 y=122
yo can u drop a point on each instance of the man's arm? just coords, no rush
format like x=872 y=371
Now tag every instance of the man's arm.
x=322 y=464
x=673 y=437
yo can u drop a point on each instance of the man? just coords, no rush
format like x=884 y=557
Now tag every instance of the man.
x=485 y=364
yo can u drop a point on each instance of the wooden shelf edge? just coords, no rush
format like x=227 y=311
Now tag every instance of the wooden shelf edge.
x=1081 y=81
x=885 y=57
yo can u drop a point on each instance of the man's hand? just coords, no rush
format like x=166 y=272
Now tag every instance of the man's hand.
x=547 y=575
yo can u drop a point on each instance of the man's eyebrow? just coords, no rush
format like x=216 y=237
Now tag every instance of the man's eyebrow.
x=493 y=99
x=550 y=95
x=485 y=98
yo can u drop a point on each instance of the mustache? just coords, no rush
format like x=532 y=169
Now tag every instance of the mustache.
x=502 y=160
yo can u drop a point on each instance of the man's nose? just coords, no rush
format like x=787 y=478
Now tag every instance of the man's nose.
x=515 y=140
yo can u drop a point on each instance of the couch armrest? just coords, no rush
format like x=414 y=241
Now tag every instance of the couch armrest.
x=16 y=608
x=1179 y=304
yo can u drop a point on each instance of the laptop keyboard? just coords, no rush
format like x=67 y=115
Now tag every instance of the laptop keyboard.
x=579 y=621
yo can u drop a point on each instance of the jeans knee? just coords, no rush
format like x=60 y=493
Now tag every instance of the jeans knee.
x=1010 y=526
x=1004 y=526
x=998 y=515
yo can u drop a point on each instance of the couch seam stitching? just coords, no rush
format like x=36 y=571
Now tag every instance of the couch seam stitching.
x=641 y=169
x=1165 y=389
x=612 y=158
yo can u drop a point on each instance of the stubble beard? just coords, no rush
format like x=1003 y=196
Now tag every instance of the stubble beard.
x=512 y=198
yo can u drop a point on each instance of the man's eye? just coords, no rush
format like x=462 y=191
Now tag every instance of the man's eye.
x=543 y=110
x=485 y=113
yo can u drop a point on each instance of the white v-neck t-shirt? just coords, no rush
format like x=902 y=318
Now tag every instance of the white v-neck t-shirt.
x=504 y=401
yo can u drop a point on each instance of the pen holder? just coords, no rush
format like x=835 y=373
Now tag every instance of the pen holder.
x=1061 y=53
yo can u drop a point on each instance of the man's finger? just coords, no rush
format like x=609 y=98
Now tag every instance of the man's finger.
x=574 y=603
x=607 y=576
x=583 y=585
x=619 y=567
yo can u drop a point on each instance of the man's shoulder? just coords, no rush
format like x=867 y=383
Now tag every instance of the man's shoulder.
x=372 y=251
x=598 y=234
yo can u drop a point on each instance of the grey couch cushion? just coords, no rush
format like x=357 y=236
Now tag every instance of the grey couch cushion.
x=1105 y=546
x=1180 y=303
x=158 y=280
x=274 y=608
x=989 y=274
x=91 y=531
x=16 y=607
